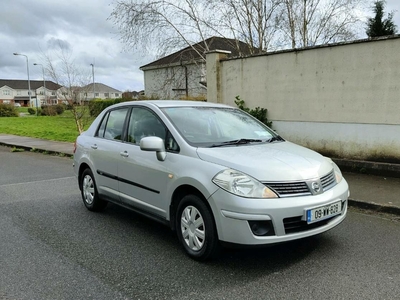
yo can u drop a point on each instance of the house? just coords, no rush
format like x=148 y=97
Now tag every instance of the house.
x=183 y=73
x=132 y=95
x=17 y=91
x=98 y=90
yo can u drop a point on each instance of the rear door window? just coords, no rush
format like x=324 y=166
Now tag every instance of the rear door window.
x=113 y=124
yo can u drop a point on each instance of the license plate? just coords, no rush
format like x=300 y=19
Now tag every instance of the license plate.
x=324 y=212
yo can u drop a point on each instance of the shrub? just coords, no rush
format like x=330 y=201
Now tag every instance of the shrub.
x=258 y=113
x=151 y=97
x=31 y=111
x=97 y=106
x=48 y=110
x=7 y=110
x=59 y=109
x=52 y=110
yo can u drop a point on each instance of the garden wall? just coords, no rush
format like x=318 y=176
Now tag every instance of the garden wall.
x=342 y=99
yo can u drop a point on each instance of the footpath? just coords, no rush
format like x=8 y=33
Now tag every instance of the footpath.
x=379 y=192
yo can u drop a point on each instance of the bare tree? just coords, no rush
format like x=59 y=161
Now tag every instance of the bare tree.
x=166 y=25
x=61 y=67
x=252 y=21
x=169 y=24
x=312 y=22
x=162 y=25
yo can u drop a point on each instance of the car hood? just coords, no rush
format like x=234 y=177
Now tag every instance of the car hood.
x=280 y=161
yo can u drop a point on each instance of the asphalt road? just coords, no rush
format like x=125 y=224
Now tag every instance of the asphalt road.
x=51 y=247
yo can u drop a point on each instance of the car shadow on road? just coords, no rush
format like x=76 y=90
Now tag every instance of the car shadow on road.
x=271 y=258
x=138 y=252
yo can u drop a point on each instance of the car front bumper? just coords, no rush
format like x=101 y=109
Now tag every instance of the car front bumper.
x=233 y=216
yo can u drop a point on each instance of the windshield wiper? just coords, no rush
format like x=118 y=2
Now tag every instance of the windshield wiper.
x=275 y=139
x=236 y=142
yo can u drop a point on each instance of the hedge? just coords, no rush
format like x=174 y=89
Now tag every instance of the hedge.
x=97 y=106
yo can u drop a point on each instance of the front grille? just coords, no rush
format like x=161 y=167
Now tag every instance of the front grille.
x=300 y=188
x=328 y=181
x=289 y=189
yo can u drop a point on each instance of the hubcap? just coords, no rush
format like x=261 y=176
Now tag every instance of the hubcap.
x=193 y=228
x=88 y=189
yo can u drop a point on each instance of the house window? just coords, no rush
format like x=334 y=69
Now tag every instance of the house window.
x=53 y=93
x=107 y=95
x=96 y=95
x=116 y=95
x=6 y=92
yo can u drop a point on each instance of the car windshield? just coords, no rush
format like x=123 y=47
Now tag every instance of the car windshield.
x=218 y=127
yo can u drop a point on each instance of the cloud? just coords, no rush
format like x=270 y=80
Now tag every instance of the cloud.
x=41 y=26
x=54 y=43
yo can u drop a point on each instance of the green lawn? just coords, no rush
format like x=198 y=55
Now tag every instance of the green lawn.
x=22 y=109
x=58 y=128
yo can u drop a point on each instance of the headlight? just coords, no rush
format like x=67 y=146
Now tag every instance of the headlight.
x=242 y=185
x=338 y=173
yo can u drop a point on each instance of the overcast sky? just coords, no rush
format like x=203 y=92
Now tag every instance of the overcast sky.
x=32 y=27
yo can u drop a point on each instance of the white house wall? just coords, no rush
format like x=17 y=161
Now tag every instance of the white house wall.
x=170 y=82
x=343 y=100
x=6 y=93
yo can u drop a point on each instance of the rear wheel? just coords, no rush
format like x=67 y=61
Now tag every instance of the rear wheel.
x=196 y=229
x=89 y=192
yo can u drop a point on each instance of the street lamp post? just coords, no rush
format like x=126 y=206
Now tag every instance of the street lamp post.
x=29 y=82
x=44 y=82
x=93 y=80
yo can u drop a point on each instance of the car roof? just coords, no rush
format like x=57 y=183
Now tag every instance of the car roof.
x=173 y=103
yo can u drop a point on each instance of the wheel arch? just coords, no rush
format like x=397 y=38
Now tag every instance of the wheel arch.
x=177 y=196
x=82 y=168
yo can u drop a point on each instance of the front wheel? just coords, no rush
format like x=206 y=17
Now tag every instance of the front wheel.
x=89 y=192
x=196 y=229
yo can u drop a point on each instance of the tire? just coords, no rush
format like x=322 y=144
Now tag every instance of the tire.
x=89 y=192
x=196 y=229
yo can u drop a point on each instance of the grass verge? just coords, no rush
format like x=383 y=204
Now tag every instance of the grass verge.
x=58 y=128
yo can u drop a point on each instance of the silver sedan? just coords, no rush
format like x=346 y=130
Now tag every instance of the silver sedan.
x=213 y=173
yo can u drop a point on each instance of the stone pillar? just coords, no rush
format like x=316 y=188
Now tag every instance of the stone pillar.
x=213 y=69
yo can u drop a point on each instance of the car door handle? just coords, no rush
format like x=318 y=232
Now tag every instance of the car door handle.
x=94 y=146
x=124 y=154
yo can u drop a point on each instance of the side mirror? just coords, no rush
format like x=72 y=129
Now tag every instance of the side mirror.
x=154 y=143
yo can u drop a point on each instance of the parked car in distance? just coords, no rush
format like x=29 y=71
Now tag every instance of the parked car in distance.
x=17 y=104
x=211 y=172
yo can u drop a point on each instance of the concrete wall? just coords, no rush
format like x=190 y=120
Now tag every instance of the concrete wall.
x=341 y=99
x=169 y=82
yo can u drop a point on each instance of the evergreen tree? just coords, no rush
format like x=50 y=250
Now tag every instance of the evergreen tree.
x=377 y=26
